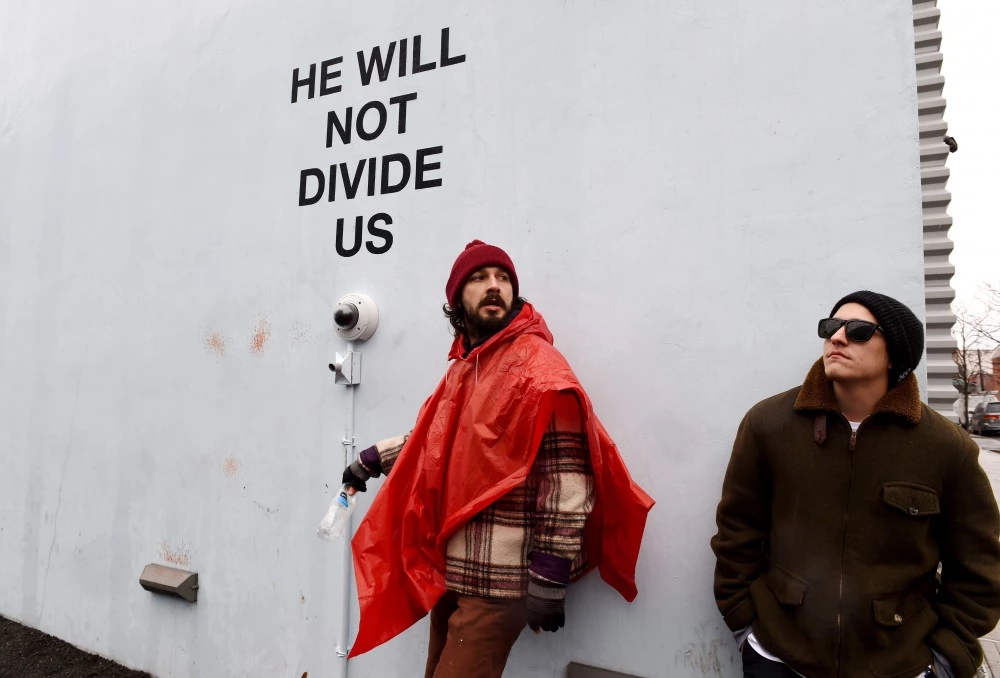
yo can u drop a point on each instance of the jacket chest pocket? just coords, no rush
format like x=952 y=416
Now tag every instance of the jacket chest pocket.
x=916 y=501
x=908 y=523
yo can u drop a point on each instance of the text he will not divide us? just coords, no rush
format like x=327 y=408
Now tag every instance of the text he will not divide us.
x=344 y=125
x=389 y=173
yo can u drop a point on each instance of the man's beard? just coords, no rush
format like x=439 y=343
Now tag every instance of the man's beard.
x=485 y=326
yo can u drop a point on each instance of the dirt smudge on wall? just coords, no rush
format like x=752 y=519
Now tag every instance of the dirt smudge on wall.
x=230 y=466
x=299 y=333
x=215 y=343
x=260 y=336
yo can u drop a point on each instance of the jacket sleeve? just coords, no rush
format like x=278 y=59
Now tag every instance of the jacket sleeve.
x=379 y=458
x=743 y=521
x=968 y=599
x=564 y=496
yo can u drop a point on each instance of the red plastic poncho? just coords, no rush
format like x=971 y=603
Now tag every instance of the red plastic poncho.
x=475 y=439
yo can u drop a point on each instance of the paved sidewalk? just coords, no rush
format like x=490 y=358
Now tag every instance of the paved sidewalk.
x=990 y=460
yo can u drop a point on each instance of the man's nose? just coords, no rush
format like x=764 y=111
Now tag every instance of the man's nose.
x=494 y=283
x=840 y=337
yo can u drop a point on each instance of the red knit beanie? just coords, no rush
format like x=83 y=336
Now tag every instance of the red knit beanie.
x=475 y=256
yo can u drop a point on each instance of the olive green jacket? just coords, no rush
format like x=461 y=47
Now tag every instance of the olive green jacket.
x=829 y=541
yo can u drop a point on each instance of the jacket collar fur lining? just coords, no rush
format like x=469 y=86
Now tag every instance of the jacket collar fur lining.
x=817 y=394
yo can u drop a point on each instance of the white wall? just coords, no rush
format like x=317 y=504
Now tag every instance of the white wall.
x=685 y=188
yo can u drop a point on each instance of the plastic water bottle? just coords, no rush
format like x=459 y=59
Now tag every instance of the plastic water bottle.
x=333 y=523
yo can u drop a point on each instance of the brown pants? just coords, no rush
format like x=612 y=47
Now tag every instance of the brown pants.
x=471 y=637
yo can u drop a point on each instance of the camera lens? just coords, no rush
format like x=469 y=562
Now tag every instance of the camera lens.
x=346 y=316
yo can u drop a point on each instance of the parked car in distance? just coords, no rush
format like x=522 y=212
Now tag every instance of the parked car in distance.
x=985 y=418
x=974 y=399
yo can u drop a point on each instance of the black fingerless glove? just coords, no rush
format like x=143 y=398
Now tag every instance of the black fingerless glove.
x=356 y=476
x=546 y=606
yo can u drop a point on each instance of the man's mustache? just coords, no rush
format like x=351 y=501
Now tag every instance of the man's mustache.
x=493 y=301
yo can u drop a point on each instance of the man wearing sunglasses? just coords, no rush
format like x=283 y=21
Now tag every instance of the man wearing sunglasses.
x=842 y=499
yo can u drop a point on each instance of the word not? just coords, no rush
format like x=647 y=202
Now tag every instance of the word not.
x=351 y=183
x=345 y=128
x=374 y=62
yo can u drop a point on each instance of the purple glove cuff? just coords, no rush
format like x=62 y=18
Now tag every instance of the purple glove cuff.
x=370 y=461
x=550 y=568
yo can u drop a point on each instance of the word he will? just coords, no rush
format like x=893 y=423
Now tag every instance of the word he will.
x=389 y=173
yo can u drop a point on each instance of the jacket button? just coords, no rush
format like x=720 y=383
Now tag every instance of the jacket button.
x=897 y=618
x=913 y=511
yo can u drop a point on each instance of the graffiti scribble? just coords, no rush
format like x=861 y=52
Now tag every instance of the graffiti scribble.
x=178 y=556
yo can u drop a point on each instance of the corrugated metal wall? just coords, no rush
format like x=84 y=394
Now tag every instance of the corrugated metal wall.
x=934 y=178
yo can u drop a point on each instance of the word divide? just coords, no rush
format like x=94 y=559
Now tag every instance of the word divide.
x=381 y=174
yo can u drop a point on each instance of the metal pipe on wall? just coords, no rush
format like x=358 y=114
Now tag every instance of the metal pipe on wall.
x=345 y=581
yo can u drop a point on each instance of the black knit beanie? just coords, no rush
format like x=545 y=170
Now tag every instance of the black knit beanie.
x=904 y=333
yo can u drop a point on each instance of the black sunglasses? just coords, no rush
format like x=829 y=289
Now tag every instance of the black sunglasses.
x=857 y=330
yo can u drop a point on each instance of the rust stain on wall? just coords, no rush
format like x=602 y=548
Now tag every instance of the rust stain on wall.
x=215 y=343
x=260 y=337
x=178 y=556
x=230 y=466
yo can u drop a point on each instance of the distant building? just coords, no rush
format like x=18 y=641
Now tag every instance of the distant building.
x=983 y=372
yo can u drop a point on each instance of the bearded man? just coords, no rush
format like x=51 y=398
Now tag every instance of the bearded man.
x=506 y=490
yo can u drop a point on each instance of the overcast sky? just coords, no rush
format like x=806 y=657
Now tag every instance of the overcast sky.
x=971 y=48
